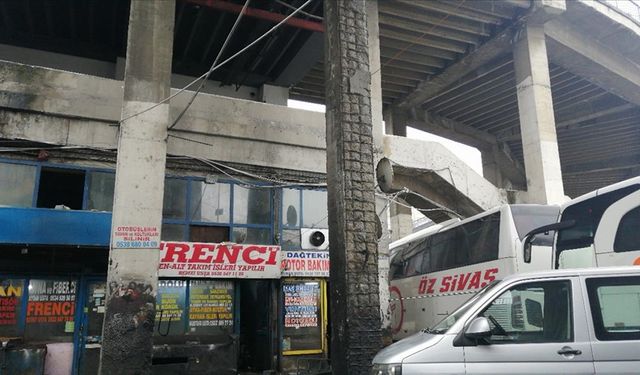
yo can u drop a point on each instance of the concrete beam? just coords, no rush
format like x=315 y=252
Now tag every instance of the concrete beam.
x=582 y=55
x=447 y=180
x=303 y=61
x=461 y=71
x=617 y=163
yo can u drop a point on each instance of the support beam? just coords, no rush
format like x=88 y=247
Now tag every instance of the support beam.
x=626 y=162
x=461 y=71
x=138 y=194
x=303 y=61
x=582 y=55
x=537 y=123
x=355 y=305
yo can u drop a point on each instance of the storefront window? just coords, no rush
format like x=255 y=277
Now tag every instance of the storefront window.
x=172 y=232
x=50 y=310
x=16 y=184
x=303 y=317
x=251 y=205
x=252 y=236
x=210 y=202
x=210 y=307
x=175 y=193
x=290 y=239
x=11 y=294
x=170 y=309
x=101 y=187
x=315 y=211
x=291 y=208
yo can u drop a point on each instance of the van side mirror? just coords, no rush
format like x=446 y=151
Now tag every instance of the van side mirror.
x=478 y=329
x=529 y=237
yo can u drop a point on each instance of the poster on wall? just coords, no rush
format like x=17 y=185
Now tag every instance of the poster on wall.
x=51 y=307
x=302 y=316
x=210 y=306
x=305 y=264
x=11 y=292
x=225 y=260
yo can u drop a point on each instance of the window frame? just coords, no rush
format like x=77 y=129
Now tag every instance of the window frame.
x=619 y=233
x=592 y=284
x=570 y=312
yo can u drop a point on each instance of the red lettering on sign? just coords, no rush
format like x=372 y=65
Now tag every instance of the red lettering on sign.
x=231 y=255
x=246 y=255
x=460 y=282
x=446 y=284
x=173 y=249
x=199 y=250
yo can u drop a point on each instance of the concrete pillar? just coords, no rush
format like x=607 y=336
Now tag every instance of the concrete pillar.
x=490 y=167
x=355 y=305
x=537 y=123
x=274 y=94
x=401 y=221
x=373 y=31
x=399 y=120
x=137 y=208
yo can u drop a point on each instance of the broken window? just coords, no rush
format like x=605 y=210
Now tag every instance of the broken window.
x=61 y=187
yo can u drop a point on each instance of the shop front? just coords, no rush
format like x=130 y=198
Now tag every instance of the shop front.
x=242 y=287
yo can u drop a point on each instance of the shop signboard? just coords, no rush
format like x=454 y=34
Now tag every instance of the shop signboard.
x=219 y=260
x=305 y=264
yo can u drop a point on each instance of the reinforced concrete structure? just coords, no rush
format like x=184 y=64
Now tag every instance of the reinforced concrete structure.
x=546 y=90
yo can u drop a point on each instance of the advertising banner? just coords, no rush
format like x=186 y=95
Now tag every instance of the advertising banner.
x=194 y=259
x=305 y=264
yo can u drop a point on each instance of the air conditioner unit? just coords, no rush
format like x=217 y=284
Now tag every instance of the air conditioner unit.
x=314 y=239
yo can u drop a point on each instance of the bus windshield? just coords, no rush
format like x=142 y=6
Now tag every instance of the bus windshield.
x=446 y=323
x=529 y=217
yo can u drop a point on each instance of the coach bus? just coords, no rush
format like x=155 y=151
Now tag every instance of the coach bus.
x=598 y=229
x=434 y=273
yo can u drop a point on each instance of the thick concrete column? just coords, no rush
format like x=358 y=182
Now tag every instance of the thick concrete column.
x=355 y=305
x=399 y=120
x=537 y=123
x=373 y=31
x=401 y=221
x=137 y=208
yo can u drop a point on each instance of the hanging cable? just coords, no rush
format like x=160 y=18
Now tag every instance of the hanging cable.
x=215 y=61
x=268 y=32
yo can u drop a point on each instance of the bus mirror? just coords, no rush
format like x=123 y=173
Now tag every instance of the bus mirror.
x=527 y=248
x=528 y=239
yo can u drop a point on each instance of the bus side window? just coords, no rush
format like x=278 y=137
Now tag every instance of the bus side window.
x=628 y=234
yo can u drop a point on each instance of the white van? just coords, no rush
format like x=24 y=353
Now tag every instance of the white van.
x=581 y=321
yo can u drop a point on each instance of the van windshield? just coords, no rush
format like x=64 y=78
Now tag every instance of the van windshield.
x=450 y=320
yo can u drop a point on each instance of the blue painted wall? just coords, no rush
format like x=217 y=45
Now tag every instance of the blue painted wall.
x=54 y=227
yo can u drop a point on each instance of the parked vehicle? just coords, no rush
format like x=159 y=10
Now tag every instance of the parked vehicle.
x=580 y=321
x=434 y=271
x=601 y=228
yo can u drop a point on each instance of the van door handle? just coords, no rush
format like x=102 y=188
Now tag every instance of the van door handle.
x=569 y=351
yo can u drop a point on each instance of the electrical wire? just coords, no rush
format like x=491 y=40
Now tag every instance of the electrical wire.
x=215 y=61
x=301 y=12
x=268 y=32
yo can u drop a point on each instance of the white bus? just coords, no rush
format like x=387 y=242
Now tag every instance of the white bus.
x=598 y=229
x=434 y=273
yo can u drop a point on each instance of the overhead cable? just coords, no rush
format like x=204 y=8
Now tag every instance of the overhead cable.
x=215 y=61
x=284 y=20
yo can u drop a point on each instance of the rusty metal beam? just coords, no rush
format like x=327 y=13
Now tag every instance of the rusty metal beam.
x=226 y=6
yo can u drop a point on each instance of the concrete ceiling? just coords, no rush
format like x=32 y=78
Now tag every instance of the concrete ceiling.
x=448 y=58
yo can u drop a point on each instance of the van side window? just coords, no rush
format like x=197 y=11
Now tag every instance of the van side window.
x=628 y=235
x=615 y=307
x=532 y=313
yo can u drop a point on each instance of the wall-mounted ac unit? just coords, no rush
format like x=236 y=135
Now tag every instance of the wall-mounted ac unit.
x=314 y=239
